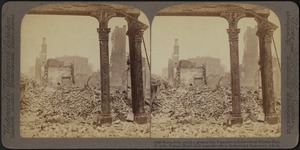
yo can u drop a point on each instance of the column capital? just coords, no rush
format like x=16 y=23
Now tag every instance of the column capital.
x=135 y=27
x=103 y=34
x=103 y=17
x=233 y=34
x=265 y=29
x=232 y=18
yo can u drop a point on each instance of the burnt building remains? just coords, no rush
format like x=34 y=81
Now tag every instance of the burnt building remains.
x=40 y=62
x=118 y=62
x=63 y=70
x=250 y=71
x=82 y=68
x=58 y=73
x=193 y=70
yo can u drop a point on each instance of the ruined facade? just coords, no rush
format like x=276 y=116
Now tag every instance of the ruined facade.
x=213 y=65
x=81 y=64
x=82 y=69
x=249 y=71
x=188 y=73
x=118 y=56
x=57 y=72
x=173 y=63
x=40 y=62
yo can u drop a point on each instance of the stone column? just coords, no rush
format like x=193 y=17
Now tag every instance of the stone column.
x=264 y=32
x=103 y=17
x=135 y=33
x=233 y=32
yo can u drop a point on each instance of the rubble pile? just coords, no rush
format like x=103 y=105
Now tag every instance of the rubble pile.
x=71 y=103
x=204 y=103
x=70 y=111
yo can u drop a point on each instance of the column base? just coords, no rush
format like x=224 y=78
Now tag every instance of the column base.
x=271 y=118
x=141 y=119
x=235 y=120
x=103 y=119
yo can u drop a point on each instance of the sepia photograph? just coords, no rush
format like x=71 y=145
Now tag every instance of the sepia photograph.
x=85 y=71
x=215 y=71
x=149 y=74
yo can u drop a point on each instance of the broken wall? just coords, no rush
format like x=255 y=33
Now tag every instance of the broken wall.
x=187 y=75
x=55 y=74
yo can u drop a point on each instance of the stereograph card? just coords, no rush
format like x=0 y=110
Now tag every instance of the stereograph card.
x=149 y=75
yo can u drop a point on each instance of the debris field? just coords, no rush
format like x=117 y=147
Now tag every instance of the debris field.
x=192 y=112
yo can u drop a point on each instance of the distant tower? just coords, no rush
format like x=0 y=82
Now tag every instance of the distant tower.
x=250 y=68
x=43 y=53
x=41 y=62
x=175 y=56
x=118 y=56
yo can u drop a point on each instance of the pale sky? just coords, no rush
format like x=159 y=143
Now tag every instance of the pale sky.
x=67 y=35
x=198 y=36
x=77 y=35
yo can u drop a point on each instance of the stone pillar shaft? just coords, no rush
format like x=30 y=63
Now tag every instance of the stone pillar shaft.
x=264 y=33
x=135 y=33
x=104 y=70
x=233 y=32
x=103 y=17
x=234 y=65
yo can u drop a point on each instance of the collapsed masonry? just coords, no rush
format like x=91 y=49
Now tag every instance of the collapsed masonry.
x=58 y=73
x=189 y=73
x=193 y=70
x=65 y=70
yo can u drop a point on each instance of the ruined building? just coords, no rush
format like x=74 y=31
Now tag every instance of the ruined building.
x=249 y=69
x=65 y=69
x=82 y=69
x=173 y=62
x=81 y=64
x=201 y=70
x=213 y=65
x=56 y=72
x=193 y=70
x=118 y=65
x=40 y=62
x=119 y=62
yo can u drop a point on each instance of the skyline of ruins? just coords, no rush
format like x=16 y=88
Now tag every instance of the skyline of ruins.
x=199 y=36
